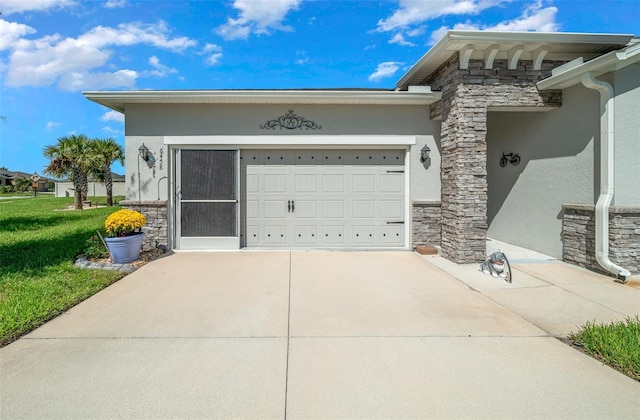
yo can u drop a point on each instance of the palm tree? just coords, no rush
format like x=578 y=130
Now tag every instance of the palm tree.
x=105 y=152
x=71 y=157
x=22 y=184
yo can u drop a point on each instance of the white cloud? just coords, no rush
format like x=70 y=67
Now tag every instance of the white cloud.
x=160 y=69
x=534 y=18
x=384 y=70
x=52 y=124
x=83 y=80
x=412 y=12
x=303 y=58
x=257 y=16
x=400 y=40
x=213 y=53
x=10 y=32
x=113 y=116
x=112 y=131
x=72 y=62
x=22 y=6
x=115 y=4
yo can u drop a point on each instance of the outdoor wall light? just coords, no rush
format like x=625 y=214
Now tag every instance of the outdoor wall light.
x=424 y=153
x=147 y=156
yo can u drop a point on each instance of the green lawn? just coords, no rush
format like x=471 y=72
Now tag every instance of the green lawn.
x=616 y=344
x=37 y=246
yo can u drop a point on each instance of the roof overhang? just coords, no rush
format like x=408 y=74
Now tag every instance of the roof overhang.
x=503 y=45
x=615 y=60
x=117 y=100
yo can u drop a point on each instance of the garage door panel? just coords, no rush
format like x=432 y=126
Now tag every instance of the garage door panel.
x=275 y=183
x=364 y=234
x=363 y=183
x=275 y=234
x=306 y=183
x=332 y=209
x=305 y=209
x=364 y=209
x=391 y=234
x=253 y=235
x=392 y=183
x=253 y=183
x=332 y=183
x=253 y=209
x=306 y=234
x=333 y=234
x=391 y=209
x=275 y=209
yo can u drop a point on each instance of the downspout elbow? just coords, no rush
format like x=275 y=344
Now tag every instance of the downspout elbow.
x=607 y=186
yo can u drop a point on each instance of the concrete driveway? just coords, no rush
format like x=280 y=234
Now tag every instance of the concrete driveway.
x=308 y=335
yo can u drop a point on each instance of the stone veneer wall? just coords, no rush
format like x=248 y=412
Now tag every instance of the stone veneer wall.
x=466 y=97
x=426 y=224
x=578 y=236
x=155 y=232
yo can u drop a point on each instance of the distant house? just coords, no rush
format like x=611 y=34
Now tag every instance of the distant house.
x=529 y=138
x=64 y=188
x=9 y=177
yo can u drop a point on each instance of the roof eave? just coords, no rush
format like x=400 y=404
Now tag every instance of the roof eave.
x=117 y=100
x=615 y=60
x=508 y=37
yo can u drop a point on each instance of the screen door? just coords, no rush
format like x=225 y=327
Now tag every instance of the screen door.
x=207 y=199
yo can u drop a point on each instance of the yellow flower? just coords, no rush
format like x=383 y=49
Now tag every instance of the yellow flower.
x=124 y=222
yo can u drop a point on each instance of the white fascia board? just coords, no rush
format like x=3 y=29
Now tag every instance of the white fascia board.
x=118 y=99
x=290 y=141
x=615 y=60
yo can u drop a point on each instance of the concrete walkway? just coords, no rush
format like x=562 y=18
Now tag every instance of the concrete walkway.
x=323 y=335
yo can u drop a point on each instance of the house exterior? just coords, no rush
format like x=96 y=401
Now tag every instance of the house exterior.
x=64 y=188
x=8 y=178
x=533 y=139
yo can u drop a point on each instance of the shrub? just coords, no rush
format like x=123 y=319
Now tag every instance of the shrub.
x=94 y=248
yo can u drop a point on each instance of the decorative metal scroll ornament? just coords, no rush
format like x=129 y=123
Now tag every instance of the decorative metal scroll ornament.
x=290 y=121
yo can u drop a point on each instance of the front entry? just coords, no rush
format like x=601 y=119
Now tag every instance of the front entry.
x=207 y=190
x=323 y=198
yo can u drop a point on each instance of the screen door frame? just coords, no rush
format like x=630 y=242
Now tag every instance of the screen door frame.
x=205 y=242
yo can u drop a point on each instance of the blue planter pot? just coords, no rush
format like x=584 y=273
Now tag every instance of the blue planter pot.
x=125 y=249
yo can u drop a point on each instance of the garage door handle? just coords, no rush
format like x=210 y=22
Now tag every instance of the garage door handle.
x=289 y=206
x=395 y=223
x=293 y=206
x=395 y=172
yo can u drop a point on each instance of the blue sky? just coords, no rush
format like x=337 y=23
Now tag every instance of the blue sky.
x=52 y=50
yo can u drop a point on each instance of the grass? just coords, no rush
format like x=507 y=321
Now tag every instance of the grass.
x=616 y=344
x=37 y=247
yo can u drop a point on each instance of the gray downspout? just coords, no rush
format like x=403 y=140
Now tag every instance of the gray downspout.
x=607 y=139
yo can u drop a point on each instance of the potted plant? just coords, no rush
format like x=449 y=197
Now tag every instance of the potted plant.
x=124 y=235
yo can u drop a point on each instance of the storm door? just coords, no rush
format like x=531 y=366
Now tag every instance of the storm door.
x=207 y=199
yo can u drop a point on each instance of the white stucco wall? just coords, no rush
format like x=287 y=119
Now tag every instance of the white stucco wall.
x=150 y=123
x=142 y=182
x=96 y=189
x=627 y=135
x=557 y=166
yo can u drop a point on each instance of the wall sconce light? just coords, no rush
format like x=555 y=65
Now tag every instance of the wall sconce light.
x=424 y=153
x=147 y=156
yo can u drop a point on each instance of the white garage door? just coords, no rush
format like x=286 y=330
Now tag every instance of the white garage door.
x=323 y=198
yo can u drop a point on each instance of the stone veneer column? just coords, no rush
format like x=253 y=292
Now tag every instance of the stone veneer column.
x=467 y=95
x=155 y=231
